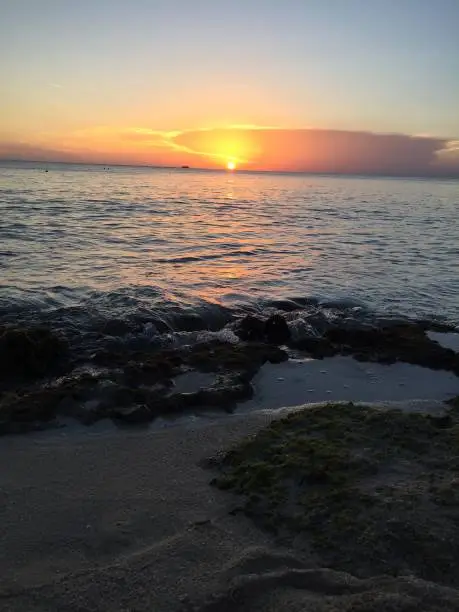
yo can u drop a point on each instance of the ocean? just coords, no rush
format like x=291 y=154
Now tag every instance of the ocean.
x=147 y=250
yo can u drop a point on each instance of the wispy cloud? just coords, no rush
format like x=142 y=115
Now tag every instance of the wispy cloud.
x=253 y=147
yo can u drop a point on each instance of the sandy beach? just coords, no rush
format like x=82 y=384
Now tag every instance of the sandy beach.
x=122 y=521
x=129 y=522
x=116 y=519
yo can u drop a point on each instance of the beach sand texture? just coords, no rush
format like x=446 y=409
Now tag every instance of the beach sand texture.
x=128 y=521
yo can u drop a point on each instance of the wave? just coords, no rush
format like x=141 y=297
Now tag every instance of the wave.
x=150 y=316
x=210 y=256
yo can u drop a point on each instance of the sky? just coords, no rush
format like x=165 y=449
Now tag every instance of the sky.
x=309 y=85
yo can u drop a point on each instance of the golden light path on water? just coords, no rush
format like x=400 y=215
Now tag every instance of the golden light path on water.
x=226 y=237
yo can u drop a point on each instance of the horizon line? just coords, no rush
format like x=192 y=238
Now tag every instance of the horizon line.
x=437 y=175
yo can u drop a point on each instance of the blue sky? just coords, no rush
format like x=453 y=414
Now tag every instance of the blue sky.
x=372 y=65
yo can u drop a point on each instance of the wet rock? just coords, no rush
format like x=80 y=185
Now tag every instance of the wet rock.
x=316 y=347
x=141 y=388
x=223 y=394
x=276 y=330
x=300 y=328
x=227 y=357
x=25 y=410
x=441 y=421
x=86 y=412
x=134 y=414
x=250 y=329
x=406 y=343
x=142 y=367
x=116 y=327
x=30 y=352
x=226 y=394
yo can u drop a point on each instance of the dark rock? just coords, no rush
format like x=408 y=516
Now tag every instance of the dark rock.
x=150 y=369
x=224 y=395
x=442 y=422
x=250 y=329
x=116 y=327
x=227 y=394
x=276 y=330
x=275 y=355
x=30 y=352
x=140 y=389
x=216 y=357
x=24 y=410
x=406 y=342
x=36 y=406
x=87 y=413
x=316 y=347
x=134 y=414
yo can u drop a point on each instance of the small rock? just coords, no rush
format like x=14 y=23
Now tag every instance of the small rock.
x=86 y=412
x=442 y=422
x=276 y=330
x=30 y=352
x=250 y=328
x=136 y=414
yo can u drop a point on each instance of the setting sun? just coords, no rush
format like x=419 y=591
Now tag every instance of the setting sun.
x=231 y=165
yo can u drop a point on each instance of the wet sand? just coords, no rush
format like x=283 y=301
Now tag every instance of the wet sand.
x=126 y=520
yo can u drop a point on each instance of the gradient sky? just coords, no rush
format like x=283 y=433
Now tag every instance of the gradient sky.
x=117 y=80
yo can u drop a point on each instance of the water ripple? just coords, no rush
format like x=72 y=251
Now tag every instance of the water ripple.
x=196 y=238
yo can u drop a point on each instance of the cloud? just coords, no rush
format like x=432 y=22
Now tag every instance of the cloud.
x=23 y=151
x=334 y=151
x=252 y=147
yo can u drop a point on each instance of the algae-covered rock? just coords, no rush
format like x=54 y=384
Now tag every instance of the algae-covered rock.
x=372 y=491
x=405 y=342
x=28 y=409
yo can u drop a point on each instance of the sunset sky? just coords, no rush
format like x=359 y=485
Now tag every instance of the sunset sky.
x=315 y=85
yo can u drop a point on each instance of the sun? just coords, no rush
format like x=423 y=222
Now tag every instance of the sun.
x=231 y=165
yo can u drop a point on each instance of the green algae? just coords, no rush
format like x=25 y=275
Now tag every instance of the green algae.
x=370 y=490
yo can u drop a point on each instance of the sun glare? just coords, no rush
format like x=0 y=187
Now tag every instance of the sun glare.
x=231 y=165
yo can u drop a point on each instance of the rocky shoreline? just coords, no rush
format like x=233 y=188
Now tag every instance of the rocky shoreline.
x=43 y=379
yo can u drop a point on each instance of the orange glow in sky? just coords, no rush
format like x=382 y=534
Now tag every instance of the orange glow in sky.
x=248 y=148
x=159 y=83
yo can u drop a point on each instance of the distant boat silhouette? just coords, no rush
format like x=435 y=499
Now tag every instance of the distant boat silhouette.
x=185 y=167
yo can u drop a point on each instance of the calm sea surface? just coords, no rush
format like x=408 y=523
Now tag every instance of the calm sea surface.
x=84 y=241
